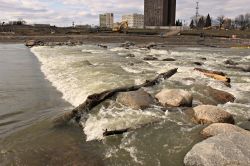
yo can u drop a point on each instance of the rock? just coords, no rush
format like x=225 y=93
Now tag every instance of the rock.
x=231 y=149
x=102 y=46
x=130 y=55
x=203 y=58
x=169 y=59
x=230 y=62
x=221 y=128
x=82 y=63
x=245 y=68
x=175 y=98
x=150 y=58
x=151 y=45
x=207 y=114
x=32 y=43
x=127 y=44
x=135 y=100
x=198 y=63
x=245 y=125
x=211 y=96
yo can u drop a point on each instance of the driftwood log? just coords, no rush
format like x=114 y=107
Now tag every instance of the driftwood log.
x=217 y=75
x=95 y=99
x=115 y=132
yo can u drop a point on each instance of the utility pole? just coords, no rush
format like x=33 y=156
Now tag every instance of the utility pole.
x=197 y=12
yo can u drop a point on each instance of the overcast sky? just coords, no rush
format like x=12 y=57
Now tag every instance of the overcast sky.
x=64 y=12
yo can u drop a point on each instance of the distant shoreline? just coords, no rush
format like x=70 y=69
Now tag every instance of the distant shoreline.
x=181 y=40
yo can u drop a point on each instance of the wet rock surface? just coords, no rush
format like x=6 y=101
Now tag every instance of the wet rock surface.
x=198 y=63
x=208 y=114
x=223 y=149
x=175 y=98
x=169 y=59
x=221 y=128
x=135 y=100
x=210 y=96
x=230 y=62
x=150 y=58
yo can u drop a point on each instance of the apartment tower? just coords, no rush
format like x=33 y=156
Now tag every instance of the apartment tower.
x=159 y=12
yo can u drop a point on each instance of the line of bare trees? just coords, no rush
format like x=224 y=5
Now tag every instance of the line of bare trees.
x=240 y=22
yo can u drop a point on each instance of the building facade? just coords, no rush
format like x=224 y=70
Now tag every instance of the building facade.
x=159 y=12
x=106 y=20
x=134 y=20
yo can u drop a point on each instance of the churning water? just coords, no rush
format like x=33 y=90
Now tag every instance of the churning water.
x=79 y=71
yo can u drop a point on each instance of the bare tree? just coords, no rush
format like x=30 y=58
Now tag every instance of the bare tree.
x=243 y=21
x=221 y=20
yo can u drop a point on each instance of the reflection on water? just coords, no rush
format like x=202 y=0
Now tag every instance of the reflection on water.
x=28 y=103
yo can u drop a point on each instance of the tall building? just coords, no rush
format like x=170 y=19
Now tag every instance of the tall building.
x=134 y=20
x=106 y=20
x=159 y=12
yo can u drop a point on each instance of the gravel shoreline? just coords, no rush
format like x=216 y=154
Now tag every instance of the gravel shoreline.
x=195 y=41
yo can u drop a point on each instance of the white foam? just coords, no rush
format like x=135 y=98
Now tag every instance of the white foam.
x=158 y=52
x=117 y=49
x=131 y=70
x=92 y=51
x=114 y=119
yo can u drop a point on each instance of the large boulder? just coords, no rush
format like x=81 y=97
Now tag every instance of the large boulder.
x=208 y=114
x=221 y=128
x=211 y=96
x=175 y=98
x=231 y=149
x=136 y=99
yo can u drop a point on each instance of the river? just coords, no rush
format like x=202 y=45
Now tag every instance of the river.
x=38 y=84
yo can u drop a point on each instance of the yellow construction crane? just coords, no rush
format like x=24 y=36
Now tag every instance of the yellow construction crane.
x=121 y=27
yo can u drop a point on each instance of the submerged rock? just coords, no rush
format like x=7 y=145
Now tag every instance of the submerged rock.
x=230 y=62
x=136 y=99
x=169 y=59
x=221 y=128
x=203 y=58
x=223 y=149
x=127 y=44
x=130 y=55
x=150 y=58
x=211 y=96
x=245 y=68
x=151 y=45
x=198 y=63
x=82 y=63
x=207 y=114
x=102 y=46
x=175 y=98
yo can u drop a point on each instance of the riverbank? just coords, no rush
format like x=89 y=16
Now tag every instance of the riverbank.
x=181 y=40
